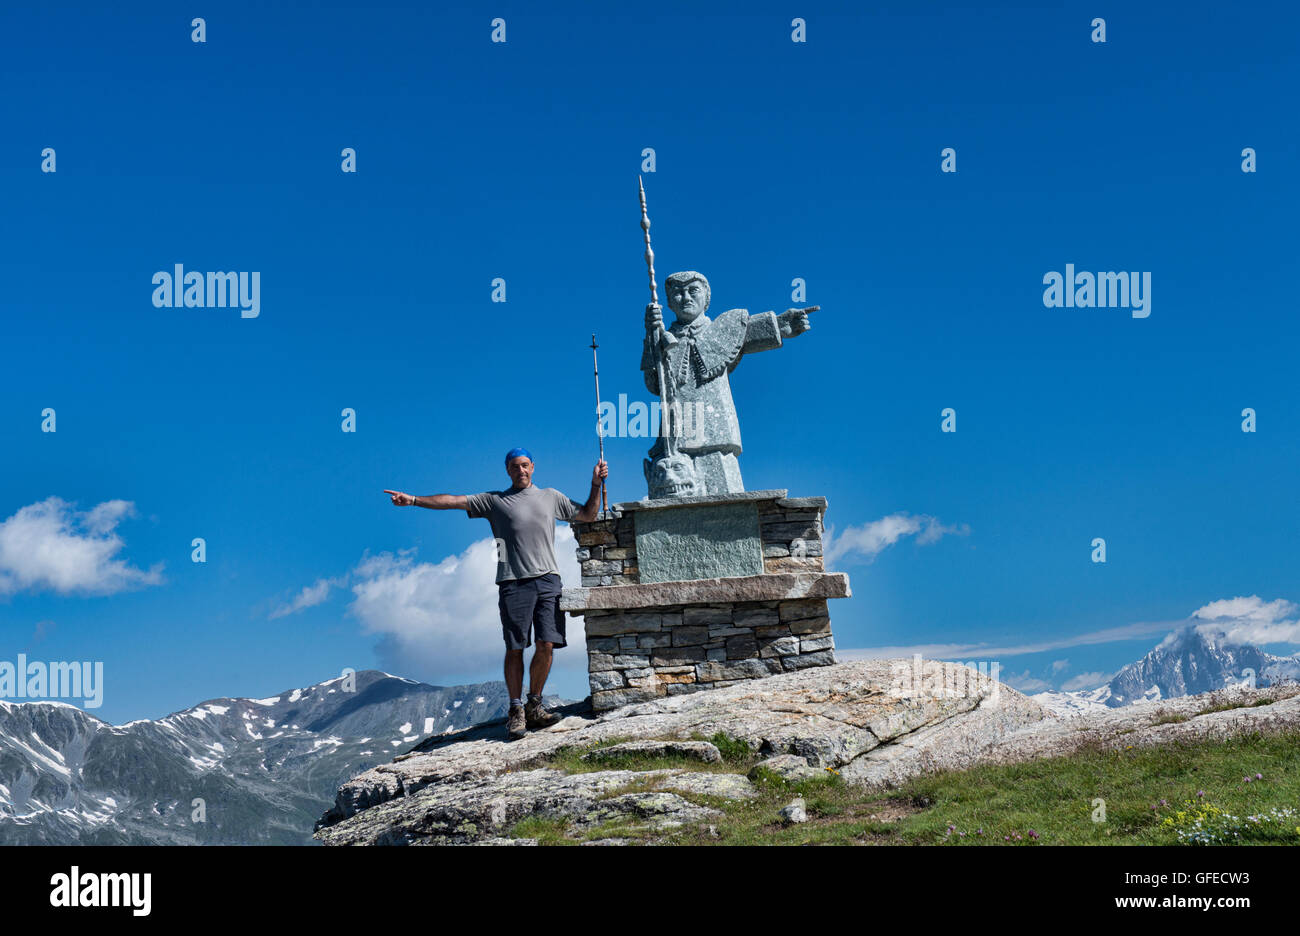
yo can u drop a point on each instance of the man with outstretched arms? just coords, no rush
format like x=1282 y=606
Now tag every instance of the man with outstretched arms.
x=528 y=577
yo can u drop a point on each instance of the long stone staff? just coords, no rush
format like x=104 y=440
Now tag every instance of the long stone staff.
x=662 y=338
x=600 y=432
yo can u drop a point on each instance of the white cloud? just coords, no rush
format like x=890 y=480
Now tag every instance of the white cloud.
x=1239 y=620
x=310 y=596
x=50 y=545
x=991 y=651
x=440 y=619
x=1026 y=683
x=1086 y=681
x=871 y=539
x=1249 y=620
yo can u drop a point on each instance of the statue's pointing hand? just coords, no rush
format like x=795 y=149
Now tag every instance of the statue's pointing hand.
x=795 y=321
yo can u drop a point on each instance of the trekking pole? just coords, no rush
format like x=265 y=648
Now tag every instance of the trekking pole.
x=600 y=433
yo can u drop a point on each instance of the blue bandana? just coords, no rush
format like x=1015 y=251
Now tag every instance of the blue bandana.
x=516 y=452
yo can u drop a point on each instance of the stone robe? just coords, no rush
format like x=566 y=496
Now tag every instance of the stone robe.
x=707 y=351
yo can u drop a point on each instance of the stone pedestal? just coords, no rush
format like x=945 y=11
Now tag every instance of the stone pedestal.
x=691 y=593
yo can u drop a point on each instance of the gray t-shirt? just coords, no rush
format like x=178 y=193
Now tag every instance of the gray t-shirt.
x=524 y=518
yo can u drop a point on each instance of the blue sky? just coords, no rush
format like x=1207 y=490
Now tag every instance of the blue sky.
x=774 y=160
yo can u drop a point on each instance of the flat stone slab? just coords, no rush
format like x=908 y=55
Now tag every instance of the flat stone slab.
x=736 y=497
x=776 y=586
x=486 y=807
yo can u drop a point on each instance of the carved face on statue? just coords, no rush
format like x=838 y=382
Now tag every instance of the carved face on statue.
x=688 y=295
x=672 y=476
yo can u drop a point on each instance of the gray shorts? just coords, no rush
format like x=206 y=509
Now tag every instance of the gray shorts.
x=531 y=605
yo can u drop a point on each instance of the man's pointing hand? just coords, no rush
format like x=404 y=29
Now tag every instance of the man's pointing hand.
x=400 y=499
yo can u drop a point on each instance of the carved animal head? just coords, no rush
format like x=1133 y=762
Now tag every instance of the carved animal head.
x=672 y=476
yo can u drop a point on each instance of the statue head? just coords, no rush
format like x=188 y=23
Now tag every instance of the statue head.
x=672 y=476
x=687 y=294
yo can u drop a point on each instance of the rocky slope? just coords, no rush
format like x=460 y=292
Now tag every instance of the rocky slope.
x=856 y=718
x=263 y=768
x=859 y=718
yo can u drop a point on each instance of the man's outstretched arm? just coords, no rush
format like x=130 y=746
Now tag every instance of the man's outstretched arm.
x=591 y=509
x=432 y=501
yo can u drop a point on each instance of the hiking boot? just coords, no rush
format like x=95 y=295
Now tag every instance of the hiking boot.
x=517 y=724
x=537 y=716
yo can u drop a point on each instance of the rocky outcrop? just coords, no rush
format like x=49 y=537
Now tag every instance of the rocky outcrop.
x=474 y=785
x=859 y=719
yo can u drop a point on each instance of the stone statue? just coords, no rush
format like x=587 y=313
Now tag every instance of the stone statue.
x=698 y=456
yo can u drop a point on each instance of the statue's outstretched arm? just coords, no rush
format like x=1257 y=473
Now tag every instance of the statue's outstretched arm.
x=762 y=333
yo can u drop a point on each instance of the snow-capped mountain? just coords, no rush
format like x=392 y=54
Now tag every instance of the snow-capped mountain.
x=227 y=771
x=1185 y=663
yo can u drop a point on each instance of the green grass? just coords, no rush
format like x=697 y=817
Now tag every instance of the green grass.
x=1228 y=706
x=570 y=760
x=1169 y=718
x=732 y=751
x=551 y=831
x=1056 y=798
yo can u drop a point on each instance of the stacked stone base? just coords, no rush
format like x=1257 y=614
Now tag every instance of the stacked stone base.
x=640 y=654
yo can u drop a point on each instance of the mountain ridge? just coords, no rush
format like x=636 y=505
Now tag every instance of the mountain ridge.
x=1190 y=661
x=228 y=770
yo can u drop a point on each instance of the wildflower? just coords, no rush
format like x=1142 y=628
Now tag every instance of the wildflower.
x=1259 y=776
x=1033 y=834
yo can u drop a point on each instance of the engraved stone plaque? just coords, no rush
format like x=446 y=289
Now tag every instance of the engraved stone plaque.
x=697 y=542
